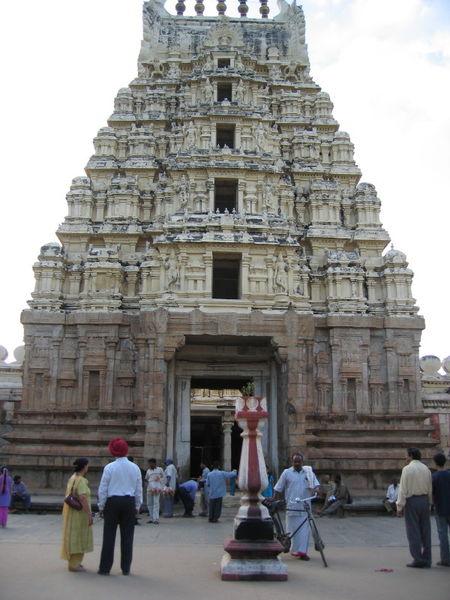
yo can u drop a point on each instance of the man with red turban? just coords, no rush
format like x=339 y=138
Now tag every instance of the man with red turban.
x=119 y=498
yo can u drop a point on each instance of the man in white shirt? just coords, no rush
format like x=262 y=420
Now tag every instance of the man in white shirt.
x=169 y=488
x=389 y=502
x=415 y=496
x=297 y=483
x=119 y=499
x=154 y=478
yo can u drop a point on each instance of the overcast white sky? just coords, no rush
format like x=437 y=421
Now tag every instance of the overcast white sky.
x=385 y=63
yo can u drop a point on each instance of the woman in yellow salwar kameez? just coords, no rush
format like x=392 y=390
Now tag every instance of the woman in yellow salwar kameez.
x=77 y=524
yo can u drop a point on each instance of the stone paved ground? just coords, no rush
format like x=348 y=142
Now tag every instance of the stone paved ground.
x=180 y=559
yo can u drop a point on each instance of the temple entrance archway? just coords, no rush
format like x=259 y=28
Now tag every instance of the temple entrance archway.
x=204 y=378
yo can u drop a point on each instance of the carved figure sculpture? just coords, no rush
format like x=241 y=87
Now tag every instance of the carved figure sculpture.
x=184 y=191
x=280 y=275
x=239 y=92
x=209 y=91
x=190 y=135
x=259 y=133
x=172 y=272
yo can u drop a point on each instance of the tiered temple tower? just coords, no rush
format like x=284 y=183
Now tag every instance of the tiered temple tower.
x=221 y=235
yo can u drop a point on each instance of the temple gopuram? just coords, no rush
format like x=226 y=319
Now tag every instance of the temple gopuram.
x=221 y=236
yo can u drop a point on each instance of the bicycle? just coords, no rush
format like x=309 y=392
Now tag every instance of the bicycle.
x=284 y=538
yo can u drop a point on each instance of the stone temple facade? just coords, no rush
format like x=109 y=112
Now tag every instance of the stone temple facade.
x=221 y=236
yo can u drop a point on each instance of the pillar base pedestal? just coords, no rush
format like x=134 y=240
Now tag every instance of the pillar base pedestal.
x=253 y=561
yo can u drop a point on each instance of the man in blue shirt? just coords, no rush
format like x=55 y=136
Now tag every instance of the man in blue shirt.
x=217 y=488
x=441 y=500
x=187 y=491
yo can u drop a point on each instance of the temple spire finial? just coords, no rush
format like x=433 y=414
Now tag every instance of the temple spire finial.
x=264 y=9
x=243 y=8
x=199 y=7
x=221 y=7
x=180 y=7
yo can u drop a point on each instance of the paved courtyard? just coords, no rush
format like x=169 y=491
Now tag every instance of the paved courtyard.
x=180 y=559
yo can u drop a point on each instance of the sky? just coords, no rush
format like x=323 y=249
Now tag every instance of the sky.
x=385 y=64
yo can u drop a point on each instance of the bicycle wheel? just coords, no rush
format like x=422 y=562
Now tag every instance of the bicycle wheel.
x=318 y=542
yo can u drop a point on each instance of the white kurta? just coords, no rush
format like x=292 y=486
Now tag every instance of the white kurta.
x=297 y=485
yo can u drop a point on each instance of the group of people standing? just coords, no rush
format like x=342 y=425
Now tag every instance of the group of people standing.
x=120 y=499
x=120 y=496
x=417 y=491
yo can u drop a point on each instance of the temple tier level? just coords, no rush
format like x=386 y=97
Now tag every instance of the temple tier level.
x=221 y=236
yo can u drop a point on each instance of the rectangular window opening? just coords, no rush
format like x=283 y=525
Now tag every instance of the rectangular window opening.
x=225 y=194
x=225 y=135
x=223 y=63
x=224 y=91
x=226 y=276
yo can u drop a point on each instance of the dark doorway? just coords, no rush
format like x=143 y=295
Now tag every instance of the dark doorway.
x=225 y=194
x=225 y=135
x=206 y=441
x=223 y=63
x=224 y=91
x=226 y=277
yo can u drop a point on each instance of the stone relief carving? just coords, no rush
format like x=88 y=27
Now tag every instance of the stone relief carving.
x=172 y=272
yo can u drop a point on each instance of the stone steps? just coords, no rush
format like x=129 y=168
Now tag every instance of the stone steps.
x=369 y=441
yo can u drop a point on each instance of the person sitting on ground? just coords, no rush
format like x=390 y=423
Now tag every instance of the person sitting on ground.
x=20 y=494
x=336 y=501
x=187 y=491
x=390 y=502
x=326 y=488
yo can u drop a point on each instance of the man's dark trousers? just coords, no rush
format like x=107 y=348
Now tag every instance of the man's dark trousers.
x=215 y=509
x=418 y=528
x=119 y=511
x=187 y=501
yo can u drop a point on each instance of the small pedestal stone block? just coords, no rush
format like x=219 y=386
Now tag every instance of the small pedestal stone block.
x=253 y=561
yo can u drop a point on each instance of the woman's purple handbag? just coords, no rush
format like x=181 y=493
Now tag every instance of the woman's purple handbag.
x=72 y=500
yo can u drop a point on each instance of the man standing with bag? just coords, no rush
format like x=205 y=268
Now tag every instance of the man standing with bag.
x=119 y=498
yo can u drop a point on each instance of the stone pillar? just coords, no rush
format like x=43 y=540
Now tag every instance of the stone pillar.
x=273 y=418
x=245 y=264
x=210 y=189
x=240 y=195
x=183 y=424
x=170 y=410
x=337 y=404
x=207 y=260
x=237 y=136
x=82 y=396
x=110 y=360
x=227 y=425
x=54 y=364
x=142 y=363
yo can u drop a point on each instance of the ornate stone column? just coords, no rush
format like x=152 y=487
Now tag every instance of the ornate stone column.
x=253 y=553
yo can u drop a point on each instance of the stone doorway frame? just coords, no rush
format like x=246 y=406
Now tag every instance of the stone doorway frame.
x=178 y=403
